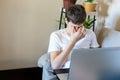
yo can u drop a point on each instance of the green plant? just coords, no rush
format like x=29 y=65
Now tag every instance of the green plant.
x=89 y=23
x=91 y=1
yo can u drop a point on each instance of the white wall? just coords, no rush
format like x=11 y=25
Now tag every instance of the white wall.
x=25 y=26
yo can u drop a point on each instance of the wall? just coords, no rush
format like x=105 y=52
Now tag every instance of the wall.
x=25 y=26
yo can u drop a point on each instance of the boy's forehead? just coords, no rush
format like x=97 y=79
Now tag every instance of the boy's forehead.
x=76 y=23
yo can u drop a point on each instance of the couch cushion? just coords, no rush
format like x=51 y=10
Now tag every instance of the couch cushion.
x=109 y=38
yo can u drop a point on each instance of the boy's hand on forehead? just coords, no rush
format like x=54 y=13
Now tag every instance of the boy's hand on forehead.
x=79 y=34
x=82 y=31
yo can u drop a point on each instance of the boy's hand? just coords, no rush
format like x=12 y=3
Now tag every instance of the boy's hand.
x=78 y=34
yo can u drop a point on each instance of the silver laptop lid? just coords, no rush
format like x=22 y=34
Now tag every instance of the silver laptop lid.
x=93 y=64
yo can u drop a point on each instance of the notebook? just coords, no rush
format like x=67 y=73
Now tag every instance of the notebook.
x=95 y=64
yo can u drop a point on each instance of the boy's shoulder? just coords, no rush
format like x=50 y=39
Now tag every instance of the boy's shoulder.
x=58 y=32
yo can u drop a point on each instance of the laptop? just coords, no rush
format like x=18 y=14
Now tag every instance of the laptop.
x=95 y=64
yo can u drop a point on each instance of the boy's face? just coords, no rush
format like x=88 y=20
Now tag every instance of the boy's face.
x=73 y=26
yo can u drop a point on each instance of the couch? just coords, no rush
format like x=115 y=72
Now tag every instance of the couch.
x=109 y=38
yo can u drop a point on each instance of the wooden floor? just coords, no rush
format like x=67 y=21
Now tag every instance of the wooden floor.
x=33 y=73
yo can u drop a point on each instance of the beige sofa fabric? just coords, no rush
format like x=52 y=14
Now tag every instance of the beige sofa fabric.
x=109 y=38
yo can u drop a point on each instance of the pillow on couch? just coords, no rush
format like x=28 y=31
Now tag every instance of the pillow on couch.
x=109 y=38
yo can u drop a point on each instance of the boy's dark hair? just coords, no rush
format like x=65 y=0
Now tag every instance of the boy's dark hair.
x=76 y=14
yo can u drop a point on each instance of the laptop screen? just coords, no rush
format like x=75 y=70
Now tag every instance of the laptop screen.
x=95 y=64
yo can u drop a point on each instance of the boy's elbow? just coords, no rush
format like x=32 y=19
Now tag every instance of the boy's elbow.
x=55 y=66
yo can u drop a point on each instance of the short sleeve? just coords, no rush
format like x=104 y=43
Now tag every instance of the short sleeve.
x=94 y=42
x=53 y=43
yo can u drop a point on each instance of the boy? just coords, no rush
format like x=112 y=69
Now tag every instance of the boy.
x=75 y=36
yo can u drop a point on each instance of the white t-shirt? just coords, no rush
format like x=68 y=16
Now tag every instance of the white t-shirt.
x=60 y=39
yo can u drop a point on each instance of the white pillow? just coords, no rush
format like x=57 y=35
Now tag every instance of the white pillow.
x=111 y=38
